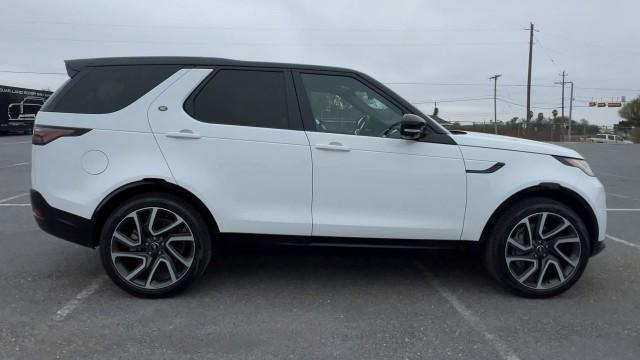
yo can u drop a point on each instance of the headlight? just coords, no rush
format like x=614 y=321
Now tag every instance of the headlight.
x=578 y=163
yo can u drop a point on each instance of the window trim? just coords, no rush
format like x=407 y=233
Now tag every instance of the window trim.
x=293 y=114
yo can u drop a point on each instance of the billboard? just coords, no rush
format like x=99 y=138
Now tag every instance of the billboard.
x=19 y=106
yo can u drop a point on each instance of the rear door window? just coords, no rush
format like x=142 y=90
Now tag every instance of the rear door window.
x=242 y=97
x=106 y=89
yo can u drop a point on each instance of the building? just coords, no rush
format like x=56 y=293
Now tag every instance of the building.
x=19 y=106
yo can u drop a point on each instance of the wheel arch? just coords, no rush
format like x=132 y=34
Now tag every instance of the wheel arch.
x=119 y=195
x=555 y=192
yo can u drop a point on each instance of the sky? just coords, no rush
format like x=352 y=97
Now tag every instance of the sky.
x=425 y=50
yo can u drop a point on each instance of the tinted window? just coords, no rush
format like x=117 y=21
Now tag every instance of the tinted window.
x=344 y=105
x=242 y=97
x=101 y=90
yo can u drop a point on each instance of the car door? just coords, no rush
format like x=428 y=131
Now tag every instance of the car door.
x=367 y=181
x=233 y=136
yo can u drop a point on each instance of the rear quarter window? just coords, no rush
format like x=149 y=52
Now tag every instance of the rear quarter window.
x=106 y=89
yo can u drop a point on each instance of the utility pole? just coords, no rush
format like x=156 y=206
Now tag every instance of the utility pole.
x=495 y=106
x=529 y=72
x=564 y=74
x=563 y=82
x=570 y=108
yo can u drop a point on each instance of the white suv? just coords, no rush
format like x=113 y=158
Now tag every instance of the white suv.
x=154 y=160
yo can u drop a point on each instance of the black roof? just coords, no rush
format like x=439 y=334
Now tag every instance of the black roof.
x=74 y=66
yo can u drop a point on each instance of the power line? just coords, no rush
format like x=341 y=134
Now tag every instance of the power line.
x=504 y=85
x=450 y=100
x=459 y=84
x=265 y=28
x=32 y=72
x=546 y=52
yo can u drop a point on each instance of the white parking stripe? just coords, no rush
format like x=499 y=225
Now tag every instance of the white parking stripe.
x=13 y=197
x=501 y=347
x=17 y=142
x=623 y=210
x=618 y=176
x=623 y=196
x=623 y=241
x=78 y=299
x=14 y=205
x=14 y=165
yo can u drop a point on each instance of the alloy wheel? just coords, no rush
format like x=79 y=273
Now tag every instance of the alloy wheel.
x=543 y=251
x=152 y=248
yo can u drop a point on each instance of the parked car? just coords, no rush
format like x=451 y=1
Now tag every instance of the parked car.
x=154 y=160
x=608 y=139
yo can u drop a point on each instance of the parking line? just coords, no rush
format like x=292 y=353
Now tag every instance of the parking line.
x=14 y=165
x=78 y=299
x=14 y=205
x=621 y=241
x=17 y=142
x=623 y=196
x=623 y=210
x=618 y=176
x=13 y=197
x=501 y=347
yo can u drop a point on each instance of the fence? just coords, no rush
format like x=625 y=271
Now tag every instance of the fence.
x=534 y=130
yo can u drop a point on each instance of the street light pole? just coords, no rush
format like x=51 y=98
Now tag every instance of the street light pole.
x=495 y=106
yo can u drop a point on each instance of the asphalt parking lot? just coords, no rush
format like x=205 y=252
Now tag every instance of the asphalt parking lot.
x=55 y=300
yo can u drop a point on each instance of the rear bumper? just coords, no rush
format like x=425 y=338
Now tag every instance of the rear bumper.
x=62 y=224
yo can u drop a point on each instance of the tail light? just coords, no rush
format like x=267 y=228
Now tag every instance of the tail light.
x=43 y=134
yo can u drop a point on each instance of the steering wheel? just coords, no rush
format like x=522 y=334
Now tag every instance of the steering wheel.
x=360 y=124
x=320 y=125
x=393 y=127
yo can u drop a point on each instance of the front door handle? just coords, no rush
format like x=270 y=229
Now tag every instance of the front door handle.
x=332 y=146
x=182 y=134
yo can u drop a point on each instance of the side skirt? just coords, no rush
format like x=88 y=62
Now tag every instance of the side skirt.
x=238 y=239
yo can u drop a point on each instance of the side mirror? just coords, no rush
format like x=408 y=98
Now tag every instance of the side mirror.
x=412 y=127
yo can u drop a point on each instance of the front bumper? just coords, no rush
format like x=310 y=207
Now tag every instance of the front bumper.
x=62 y=224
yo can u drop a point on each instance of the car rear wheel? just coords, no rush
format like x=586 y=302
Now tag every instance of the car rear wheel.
x=538 y=248
x=155 y=245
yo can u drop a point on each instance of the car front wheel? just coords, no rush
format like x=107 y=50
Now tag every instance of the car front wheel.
x=155 y=245
x=538 y=247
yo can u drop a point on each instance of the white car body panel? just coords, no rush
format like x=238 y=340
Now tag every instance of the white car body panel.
x=254 y=180
x=522 y=170
x=387 y=188
x=123 y=136
x=515 y=144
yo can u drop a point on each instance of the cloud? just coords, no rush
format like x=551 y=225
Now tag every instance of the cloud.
x=432 y=42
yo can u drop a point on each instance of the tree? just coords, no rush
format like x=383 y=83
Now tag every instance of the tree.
x=554 y=113
x=631 y=112
x=540 y=117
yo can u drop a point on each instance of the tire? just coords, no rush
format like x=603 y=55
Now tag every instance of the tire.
x=559 y=251
x=171 y=253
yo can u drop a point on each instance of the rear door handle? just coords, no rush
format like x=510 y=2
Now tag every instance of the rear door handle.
x=182 y=134
x=332 y=146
